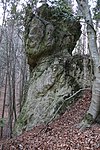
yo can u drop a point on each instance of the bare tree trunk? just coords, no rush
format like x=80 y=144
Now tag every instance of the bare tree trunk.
x=95 y=102
x=84 y=59
x=4 y=101
x=20 y=92
x=84 y=72
x=10 y=109
x=14 y=88
x=23 y=81
x=9 y=69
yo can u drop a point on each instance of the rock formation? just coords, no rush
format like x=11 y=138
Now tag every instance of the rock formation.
x=50 y=38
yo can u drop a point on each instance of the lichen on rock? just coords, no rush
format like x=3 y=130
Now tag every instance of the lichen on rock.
x=47 y=33
x=49 y=42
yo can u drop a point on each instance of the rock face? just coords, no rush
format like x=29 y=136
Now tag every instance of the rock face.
x=55 y=73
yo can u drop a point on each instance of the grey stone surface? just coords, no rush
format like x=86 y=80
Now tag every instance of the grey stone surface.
x=55 y=73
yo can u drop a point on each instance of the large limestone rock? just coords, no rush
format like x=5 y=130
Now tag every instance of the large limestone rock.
x=55 y=73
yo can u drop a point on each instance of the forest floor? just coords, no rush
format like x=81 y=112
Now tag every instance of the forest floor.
x=61 y=134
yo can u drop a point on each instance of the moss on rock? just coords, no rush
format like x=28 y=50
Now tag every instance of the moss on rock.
x=89 y=118
x=48 y=32
x=21 y=123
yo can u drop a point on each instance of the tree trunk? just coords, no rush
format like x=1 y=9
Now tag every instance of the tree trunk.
x=4 y=101
x=22 y=82
x=10 y=109
x=14 y=88
x=95 y=101
x=84 y=60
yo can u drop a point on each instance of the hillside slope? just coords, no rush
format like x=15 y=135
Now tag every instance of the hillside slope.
x=61 y=134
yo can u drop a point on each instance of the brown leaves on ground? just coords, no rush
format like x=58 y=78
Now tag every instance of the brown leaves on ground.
x=61 y=134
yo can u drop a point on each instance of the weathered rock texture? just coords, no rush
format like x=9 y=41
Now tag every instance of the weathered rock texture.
x=55 y=74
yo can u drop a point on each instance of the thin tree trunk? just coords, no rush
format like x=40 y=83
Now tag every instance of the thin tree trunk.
x=10 y=110
x=22 y=83
x=14 y=83
x=20 y=92
x=84 y=72
x=4 y=101
x=13 y=91
x=84 y=59
x=10 y=103
x=95 y=101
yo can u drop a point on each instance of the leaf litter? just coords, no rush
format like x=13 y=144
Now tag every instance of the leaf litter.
x=61 y=134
